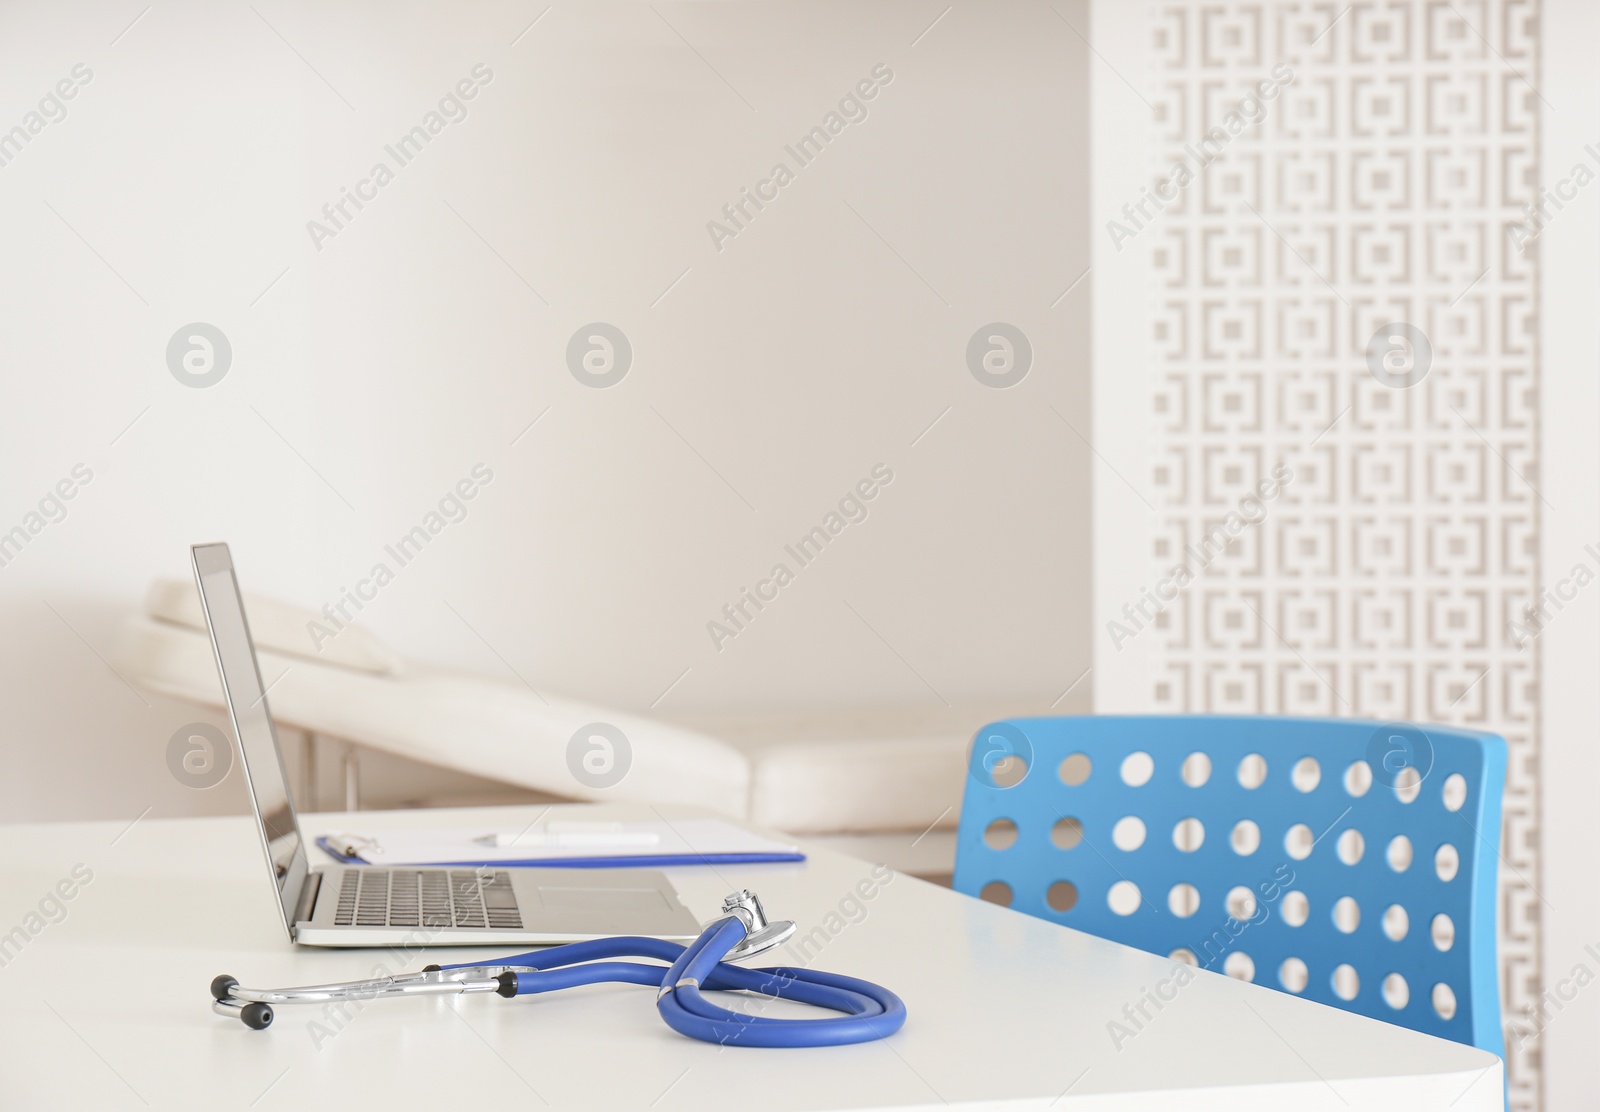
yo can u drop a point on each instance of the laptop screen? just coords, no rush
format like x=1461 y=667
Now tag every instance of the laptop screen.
x=252 y=722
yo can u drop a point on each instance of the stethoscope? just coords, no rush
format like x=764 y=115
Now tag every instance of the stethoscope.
x=741 y=931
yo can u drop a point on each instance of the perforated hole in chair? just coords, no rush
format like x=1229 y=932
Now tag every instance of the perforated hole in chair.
x=1396 y=922
x=1183 y=900
x=1128 y=834
x=1298 y=841
x=1307 y=774
x=1067 y=833
x=1124 y=897
x=1293 y=975
x=1443 y=932
x=1346 y=914
x=1137 y=768
x=1009 y=770
x=1196 y=769
x=1407 y=784
x=1000 y=834
x=1346 y=981
x=1446 y=862
x=1455 y=791
x=1246 y=838
x=1358 y=779
x=1396 y=993
x=1189 y=835
x=1184 y=956
x=1444 y=1001
x=1296 y=908
x=1074 y=769
x=1241 y=902
x=1062 y=896
x=1351 y=846
x=1399 y=853
x=996 y=892
x=1252 y=771
x=1240 y=966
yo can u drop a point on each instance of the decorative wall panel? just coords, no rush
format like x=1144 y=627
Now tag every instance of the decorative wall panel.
x=1388 y=149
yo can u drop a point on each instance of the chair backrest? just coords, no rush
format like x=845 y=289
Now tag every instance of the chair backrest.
x=1347 y=861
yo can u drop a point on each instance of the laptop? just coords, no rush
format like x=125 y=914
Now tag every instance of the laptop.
x=370 y=905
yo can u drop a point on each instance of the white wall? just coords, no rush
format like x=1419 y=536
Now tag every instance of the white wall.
x=372 y=374
x=1569 y=649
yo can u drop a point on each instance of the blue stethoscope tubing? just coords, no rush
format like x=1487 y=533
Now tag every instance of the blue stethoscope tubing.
x=870 y=1011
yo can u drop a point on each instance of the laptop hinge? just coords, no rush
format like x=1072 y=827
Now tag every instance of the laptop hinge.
x=308 y=897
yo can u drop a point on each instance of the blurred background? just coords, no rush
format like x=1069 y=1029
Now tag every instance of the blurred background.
x=1253 y=290
x=373 y=365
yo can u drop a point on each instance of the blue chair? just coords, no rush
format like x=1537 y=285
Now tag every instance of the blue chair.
x=1349 y=862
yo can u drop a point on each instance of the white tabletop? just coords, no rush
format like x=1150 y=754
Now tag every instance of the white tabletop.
x=107 y=1006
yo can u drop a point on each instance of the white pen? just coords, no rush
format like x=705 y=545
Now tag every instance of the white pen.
x=571 y=839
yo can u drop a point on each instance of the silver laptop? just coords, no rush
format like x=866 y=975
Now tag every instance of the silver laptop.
x=413 y=906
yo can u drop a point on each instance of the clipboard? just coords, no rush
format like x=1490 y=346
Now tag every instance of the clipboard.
x=659 y=844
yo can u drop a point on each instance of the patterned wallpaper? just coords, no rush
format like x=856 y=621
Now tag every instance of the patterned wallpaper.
x=1336 y=293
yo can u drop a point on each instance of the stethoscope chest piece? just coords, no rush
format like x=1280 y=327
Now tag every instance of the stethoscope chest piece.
x=760 y=934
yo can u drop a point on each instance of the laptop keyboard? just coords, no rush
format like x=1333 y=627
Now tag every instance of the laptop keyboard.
x=462 y=898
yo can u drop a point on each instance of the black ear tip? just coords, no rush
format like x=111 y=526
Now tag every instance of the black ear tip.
x=258 y=1017
x=222 y=986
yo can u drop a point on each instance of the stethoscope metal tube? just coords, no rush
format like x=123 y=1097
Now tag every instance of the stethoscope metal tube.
x=254 y=1005
x=870 y=1011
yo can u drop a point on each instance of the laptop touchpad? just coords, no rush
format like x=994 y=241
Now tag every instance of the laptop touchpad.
x=595 y=909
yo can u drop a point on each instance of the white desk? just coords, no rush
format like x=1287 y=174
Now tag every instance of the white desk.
x=108 y=1008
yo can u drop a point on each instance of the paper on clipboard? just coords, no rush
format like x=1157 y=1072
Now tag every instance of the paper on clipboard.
x=556 y=842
